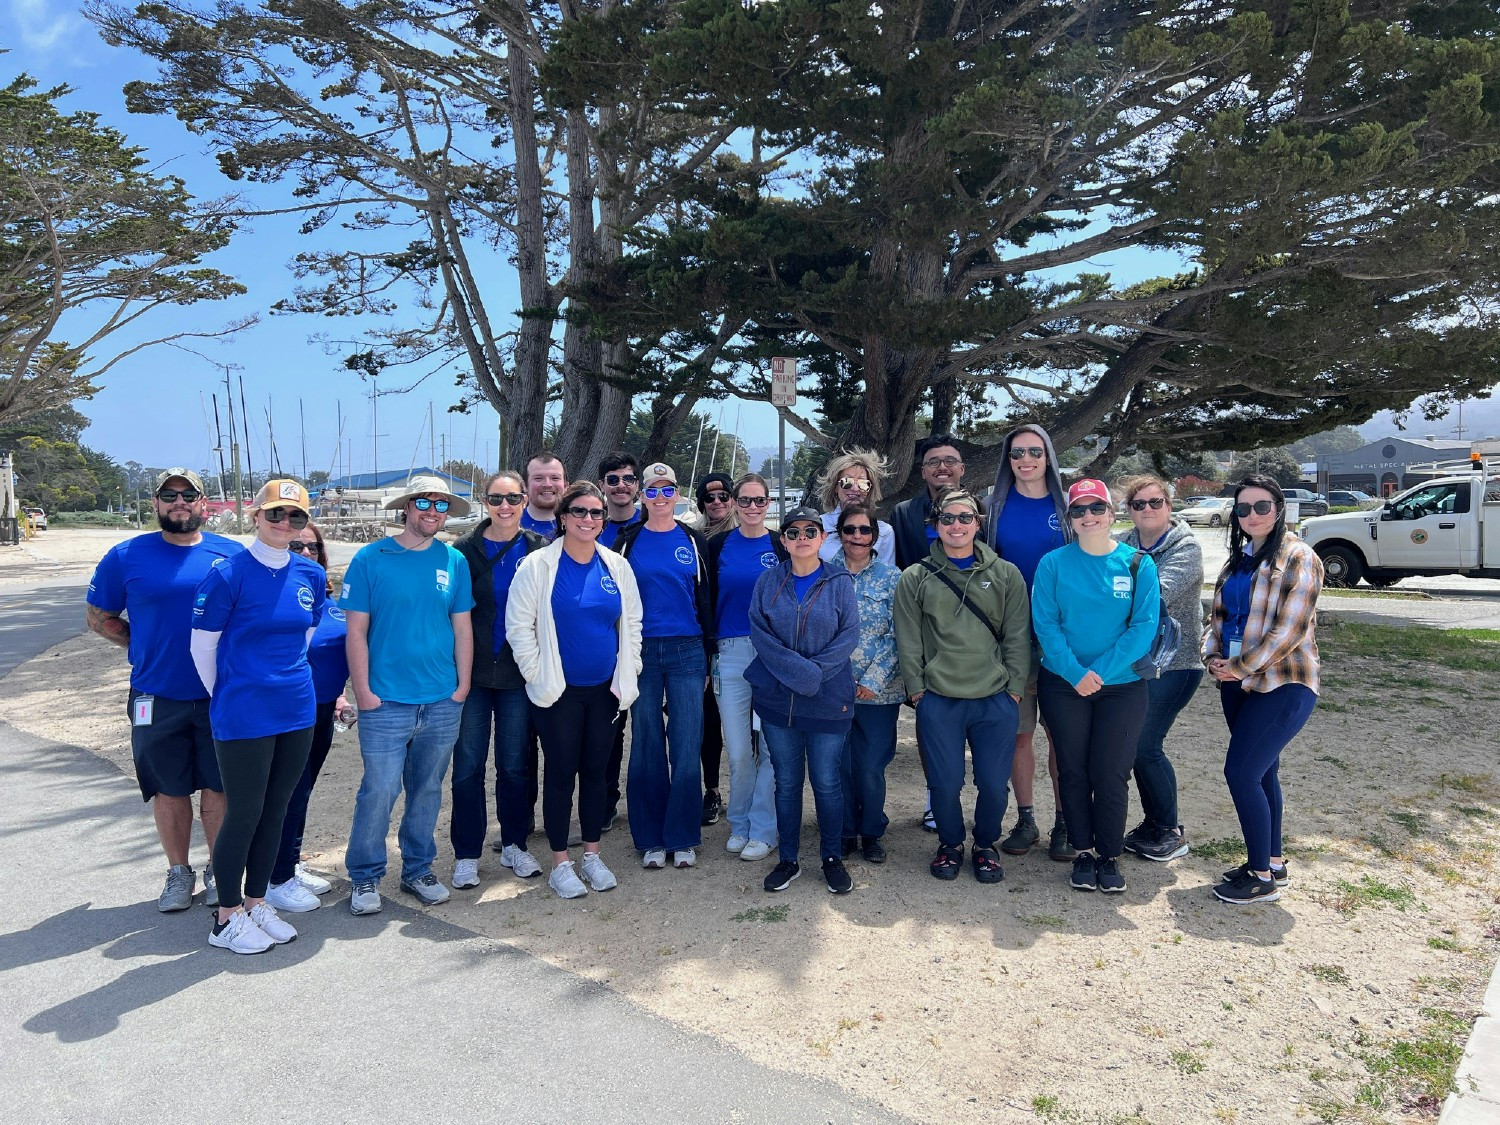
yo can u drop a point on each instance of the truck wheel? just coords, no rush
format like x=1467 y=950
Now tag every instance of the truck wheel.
x=1342 y=566
x=1215 y=521
x=1382 y=581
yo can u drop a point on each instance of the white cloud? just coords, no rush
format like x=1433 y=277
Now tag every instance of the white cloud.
x=43 y=26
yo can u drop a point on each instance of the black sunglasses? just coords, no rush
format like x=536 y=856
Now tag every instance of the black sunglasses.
x=1035 y=452
x=752 y=501
x=717 y=497
x=1078 y=511
x=795 y=533
x=422 y=504
x=948 y=519
x=302 y=548
x=168 y=495
x=290 y=515
x=1260 y=508
x=495 y=499
x=860 y=529
x=578 y=512
x=1141 y=505
x=615 y=479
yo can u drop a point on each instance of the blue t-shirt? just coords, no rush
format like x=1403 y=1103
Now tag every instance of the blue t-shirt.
x=411 y=597
x=805 y=582
x=1087 y=616
x=964 y=563
x=666 y=569
x=501 y=576
x=585 y=597
x=1237 y=604
x=547 y=529
x=1029 y=527
x=328 y=656
x=155 y=583
x=612 y=529
x=264 y=685
x=741 y=563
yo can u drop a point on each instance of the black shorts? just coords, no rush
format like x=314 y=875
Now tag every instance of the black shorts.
x=174 y=756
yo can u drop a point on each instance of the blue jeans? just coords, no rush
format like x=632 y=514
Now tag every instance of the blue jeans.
x=1261 y=724
x=989 y=725
x=815 y=754
x=509 y=711
x=752 y=784
x=1154 y=776
x=404 y=745
x=869 y=749
x=664 y=785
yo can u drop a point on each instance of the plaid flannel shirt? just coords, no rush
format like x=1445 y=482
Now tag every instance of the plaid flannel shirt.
x=1279 y=646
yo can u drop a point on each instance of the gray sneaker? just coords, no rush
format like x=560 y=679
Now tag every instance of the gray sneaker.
x=210 y=886
x=365 y=899
x=565 y=882
x=599 y=877
x=427 y=888
x=178 y=892
x=519 y=860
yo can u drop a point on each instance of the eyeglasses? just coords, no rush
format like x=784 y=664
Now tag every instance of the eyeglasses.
x=614 y=480
x=752 y=501
x=291 y=516
x=578 y=512
x=1035 y=452
x=168 y=495
x=495 y=499
x=942 y=463
x=1141 y=505
x=948 y=519
x=422 y=504
x=667 y=490
x=796 y=533
x=717 y=497
x=302 y=548
x=1078 y=511
x=860 y=529
x=1260 y=508
x=850 y=482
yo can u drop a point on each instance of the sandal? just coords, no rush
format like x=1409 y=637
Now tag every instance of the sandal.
x=946 y=864
x=987 y=867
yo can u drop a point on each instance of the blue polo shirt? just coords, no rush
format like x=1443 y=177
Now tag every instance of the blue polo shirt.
x=327 y=655
x=741 y=563
x=264 y=683
x=1029 y=527
x=586 y=598
x=666 y=569
x=411 y=597
x=154 y=583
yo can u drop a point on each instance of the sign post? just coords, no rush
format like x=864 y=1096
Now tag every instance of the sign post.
x=783 y=393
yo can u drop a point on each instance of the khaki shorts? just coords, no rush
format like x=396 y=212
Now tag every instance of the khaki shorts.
x=1028 y=709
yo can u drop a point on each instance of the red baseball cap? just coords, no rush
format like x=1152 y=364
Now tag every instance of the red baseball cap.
x=1085 y=490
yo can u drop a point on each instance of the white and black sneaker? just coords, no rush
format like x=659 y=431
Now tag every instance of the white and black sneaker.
x=1279 y=873
x=782 y=875
x=239 y=935
x=1247 y=887
x=1084 y=878
x=1162 y=844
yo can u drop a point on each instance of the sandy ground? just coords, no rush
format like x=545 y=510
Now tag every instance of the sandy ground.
x=1029 y=1001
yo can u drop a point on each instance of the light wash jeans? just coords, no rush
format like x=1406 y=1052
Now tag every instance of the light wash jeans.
x=752 y=782
x=404 y=745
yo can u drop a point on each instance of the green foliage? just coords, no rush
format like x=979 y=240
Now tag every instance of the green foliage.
x=698 y=442
x=1277 y=464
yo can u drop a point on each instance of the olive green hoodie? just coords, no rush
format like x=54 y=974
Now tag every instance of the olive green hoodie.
x=942 y=644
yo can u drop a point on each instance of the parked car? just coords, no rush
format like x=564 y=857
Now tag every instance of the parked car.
x=37 y=517
x=1310 y=503
x=1349 y=498
x=1210 y=511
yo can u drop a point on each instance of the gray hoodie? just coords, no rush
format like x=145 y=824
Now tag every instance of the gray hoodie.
x=1005 y=480
x=1179 y=567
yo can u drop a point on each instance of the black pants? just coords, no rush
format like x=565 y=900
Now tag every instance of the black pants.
x=711 y=750
x=289 y=854
x=1095 y=737
x=259 y=776
x=612 y=771
x=576 y=733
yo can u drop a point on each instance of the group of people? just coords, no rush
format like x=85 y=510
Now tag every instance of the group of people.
x=573 y=607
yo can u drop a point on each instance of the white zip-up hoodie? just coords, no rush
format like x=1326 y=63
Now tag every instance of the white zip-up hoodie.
x=533 y=633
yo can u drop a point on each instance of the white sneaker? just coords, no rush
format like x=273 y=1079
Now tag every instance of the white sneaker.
x=565 y=882
x=465 y=873
x=755 y=849
x=519 y=860
x=292 y=897
x=315 y=883
x=684 y=857
x=239 y=935
x=599 y=877
x=736 y=844
x=654 y=860
x=263 y=914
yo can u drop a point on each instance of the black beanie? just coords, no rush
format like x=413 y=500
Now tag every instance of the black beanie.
x=708 y=482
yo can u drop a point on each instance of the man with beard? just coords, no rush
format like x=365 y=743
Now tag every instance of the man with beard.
x=141 y=598
x=620 y=480
x=546 y=479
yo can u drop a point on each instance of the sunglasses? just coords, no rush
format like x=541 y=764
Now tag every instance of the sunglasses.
x=1078 y=511
x=717 y=497
x=614 y=480
x=948 y=519
x=796 y=533
x=578 y=512
x=942 y=463
x=277 y=515
x=422 y=504
x=667 y=490
x=1035 y=452
x=860 y=529
x=752 y=501
x=1154 y=503
x=850 y=482
x=495 y=499
x=1260 y=508
x=168 y=495
x=302 y=548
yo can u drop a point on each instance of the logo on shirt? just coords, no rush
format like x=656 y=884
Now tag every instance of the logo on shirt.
x=199 y=604
x=442 y=581
x=608 y=584
x=335 y=612
x=305 y=597
x=684 y=555
x=1053 y=523
x=1122 y=585
x=768 y=559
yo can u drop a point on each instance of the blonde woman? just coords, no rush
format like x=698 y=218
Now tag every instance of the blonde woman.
x=853 y=478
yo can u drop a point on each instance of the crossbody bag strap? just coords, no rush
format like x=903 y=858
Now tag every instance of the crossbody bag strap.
x=937 y=572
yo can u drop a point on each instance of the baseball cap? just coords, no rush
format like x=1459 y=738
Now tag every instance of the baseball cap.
x=803 y=514
x=1088 y=489
x=282 y=493
x=181 y=474
x=658 y=473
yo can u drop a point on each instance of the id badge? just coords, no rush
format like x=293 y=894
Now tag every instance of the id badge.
x=142 y=710
x=1234 y=648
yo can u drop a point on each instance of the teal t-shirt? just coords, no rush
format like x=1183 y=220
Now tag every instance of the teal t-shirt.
x=411 y=597
x=1087 y=615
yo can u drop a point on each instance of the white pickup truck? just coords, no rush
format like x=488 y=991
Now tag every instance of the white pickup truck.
x=1449 y=525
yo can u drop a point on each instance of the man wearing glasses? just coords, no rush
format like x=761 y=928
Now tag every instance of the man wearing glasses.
x=546 y=479
x=620 y=480
x=407 y=599
x=141 y=598
x=942 y=467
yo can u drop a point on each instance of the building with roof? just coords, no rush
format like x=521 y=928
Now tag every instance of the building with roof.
x=1383 y=467
x=396 y=478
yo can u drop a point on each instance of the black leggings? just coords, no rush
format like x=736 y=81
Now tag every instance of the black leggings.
x=576 y=733
x=259 y=776
x=289 y=854
x=711 y=752
x=1095 y=738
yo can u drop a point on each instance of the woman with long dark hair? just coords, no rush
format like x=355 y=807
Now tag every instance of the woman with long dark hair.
x=1260 y=645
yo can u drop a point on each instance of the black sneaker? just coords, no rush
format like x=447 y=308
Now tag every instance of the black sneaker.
x=1058 y=847
x=781 y=878
x=1107 y=873
x=848 y=845
x=987 y=867
x=1084 y=877
x=609 y=819
x=713 y=808
x=946 y=864
x=1145 y=830
x=874 y=850
x=1279 y=874
x=1245 y=888
x=836 y=875
x=1022 y=838
x=1162 y=845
